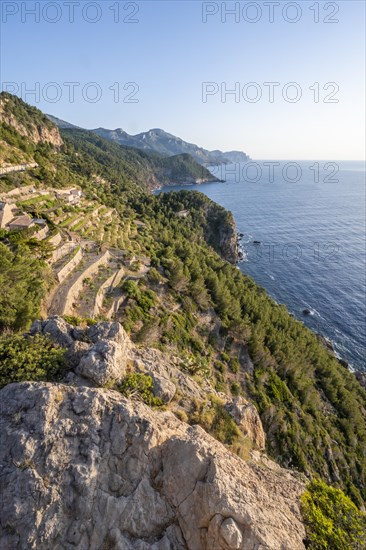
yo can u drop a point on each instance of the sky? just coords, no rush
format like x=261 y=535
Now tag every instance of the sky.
x=296 y=70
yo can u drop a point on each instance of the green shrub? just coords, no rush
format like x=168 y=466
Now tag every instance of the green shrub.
x=73 y=320
x=132 y=289
x=27 y=359
x=333 y=521
x=234 y=365
x=139 y=386
x=220 y=366
x=220 y=386
x=154 y=276
x=225 y=357
x=79 y=321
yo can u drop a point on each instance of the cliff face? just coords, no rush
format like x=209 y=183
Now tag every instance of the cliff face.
x=229 y=242
x=82 y=467
x=28 y=122
x=222 y=233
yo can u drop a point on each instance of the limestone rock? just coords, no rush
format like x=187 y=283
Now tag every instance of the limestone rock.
x=109 y=331
x=163 y=388
x=231 y=533
x=154 y=362
x=85 y=469
x=56 y=328
x=247 y=418
x=75 y=353
x=104 y=362
x=38 y=133
x=102 y=353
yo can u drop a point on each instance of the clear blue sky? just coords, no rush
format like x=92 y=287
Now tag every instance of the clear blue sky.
x=170 y=52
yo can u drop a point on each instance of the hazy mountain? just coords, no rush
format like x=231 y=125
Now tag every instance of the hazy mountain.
x=162 y=142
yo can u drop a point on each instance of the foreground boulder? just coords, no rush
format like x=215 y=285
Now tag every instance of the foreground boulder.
x=83 y=468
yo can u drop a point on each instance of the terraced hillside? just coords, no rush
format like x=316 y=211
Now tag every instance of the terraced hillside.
x=91 y=249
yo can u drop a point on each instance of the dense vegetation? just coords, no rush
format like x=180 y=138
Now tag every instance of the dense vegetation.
x=29 y=359
x=23 y=282
x=222 y=324
x=180 y=168
x=332 y=519
x=86 y=155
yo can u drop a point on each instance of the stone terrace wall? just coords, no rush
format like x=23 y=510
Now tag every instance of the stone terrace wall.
x=70 y=266
x=109 y=284
x=55 y=239
x=75 y=289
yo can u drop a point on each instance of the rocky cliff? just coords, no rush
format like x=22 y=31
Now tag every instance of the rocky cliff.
x=222 y=233
x=28 y=121
x=83 y=467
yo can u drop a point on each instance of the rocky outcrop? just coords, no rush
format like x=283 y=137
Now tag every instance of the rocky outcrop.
x=58 y=330
x=82 y=467
x=21 y=117
x=221 y=232
x=101 y=354
x=86 y=469
x=103 y=363
x=247 y=418
x=160 y=365
x=228 y=242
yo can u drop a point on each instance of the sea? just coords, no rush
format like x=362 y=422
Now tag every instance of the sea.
x=303 y=240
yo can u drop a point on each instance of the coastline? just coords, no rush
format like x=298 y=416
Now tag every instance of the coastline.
x=242 y=258
x=187 y=183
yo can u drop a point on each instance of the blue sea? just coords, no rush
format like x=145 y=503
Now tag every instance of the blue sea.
x=309 y=221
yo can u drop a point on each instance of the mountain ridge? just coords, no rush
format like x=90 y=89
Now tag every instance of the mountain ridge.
x=159 y=141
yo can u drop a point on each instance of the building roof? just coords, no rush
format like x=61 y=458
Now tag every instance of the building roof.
x=21 y=221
